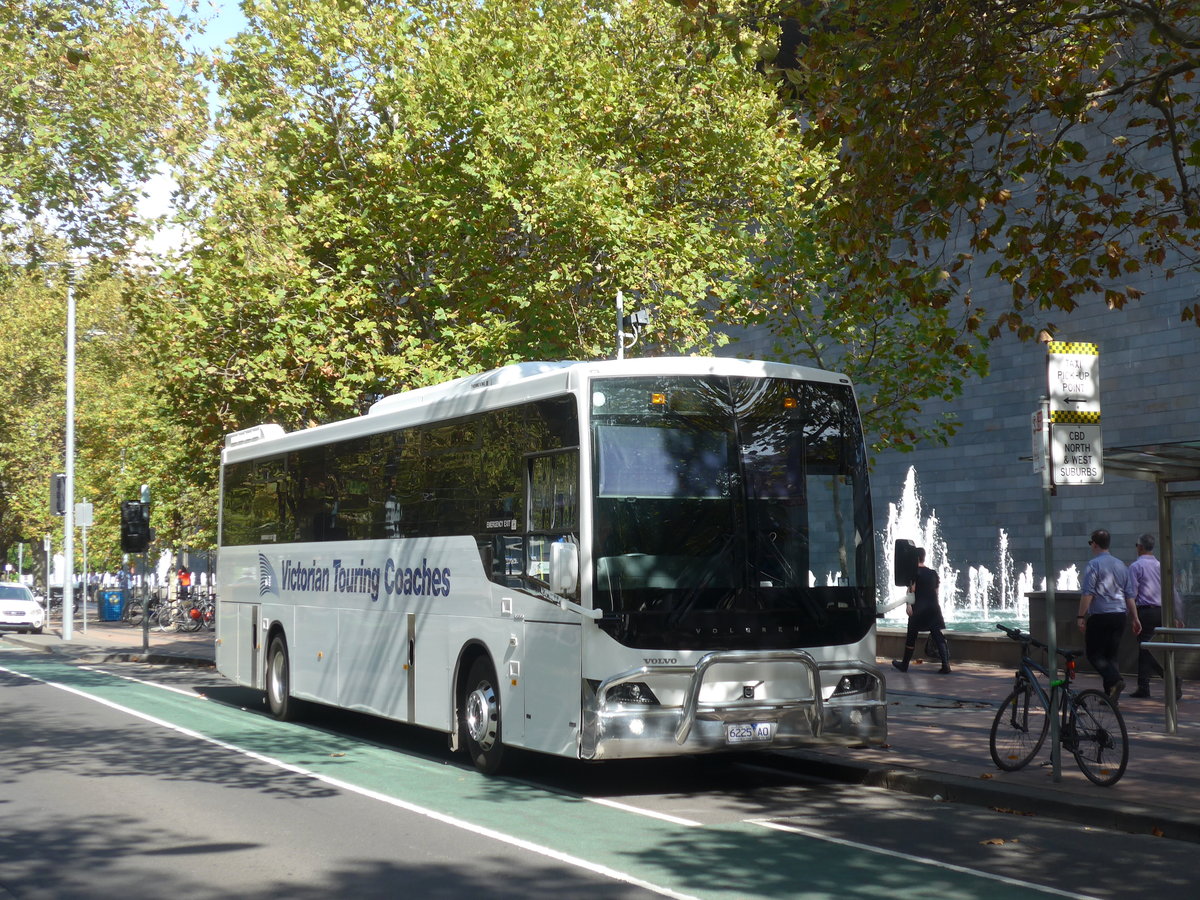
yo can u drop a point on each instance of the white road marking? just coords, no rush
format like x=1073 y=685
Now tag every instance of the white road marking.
x=651 y=814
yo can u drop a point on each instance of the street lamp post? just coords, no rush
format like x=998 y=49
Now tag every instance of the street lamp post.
x=68 y=613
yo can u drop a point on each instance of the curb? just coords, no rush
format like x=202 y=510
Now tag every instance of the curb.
x=98 y=655
x=1115 y=814
x=160 y=659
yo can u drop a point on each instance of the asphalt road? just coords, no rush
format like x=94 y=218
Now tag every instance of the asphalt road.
x=130 y=781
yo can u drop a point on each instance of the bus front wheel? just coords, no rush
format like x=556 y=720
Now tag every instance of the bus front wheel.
x=279 y=681
x=479 y=717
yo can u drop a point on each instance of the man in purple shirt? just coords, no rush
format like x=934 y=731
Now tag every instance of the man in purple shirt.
x=1104 y=604
x=1145 y=584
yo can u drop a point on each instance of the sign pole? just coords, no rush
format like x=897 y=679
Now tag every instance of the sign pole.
x=145 y=500
x=1043 y=418
x=1076 y=458
x=83 y=518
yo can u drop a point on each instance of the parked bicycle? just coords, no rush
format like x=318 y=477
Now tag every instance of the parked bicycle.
x=1091 y=727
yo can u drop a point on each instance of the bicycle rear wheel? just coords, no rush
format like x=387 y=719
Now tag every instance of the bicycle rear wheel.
x=1019 y=729
x=1099 y=740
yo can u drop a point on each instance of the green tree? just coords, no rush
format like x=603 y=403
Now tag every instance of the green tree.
x=400 y=192
x=121 y=440
x=1025 y=135
x=94 y=97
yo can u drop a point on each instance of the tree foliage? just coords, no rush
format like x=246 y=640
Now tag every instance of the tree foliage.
x=400 y=192
x=93 y=97
x=1054 y=144
x=122 y=438
x=900 y=355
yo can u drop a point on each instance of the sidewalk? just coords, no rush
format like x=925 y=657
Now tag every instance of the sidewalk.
x=939 y=728
x=122 y=642
x=937 y=747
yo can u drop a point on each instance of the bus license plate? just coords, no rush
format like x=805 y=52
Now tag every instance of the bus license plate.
x=749 y=732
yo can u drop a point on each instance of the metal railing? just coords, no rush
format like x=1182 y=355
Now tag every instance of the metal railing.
x=1169 y=649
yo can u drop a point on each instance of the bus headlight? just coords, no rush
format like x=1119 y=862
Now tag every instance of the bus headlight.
x=859 y=683
x=635 y=692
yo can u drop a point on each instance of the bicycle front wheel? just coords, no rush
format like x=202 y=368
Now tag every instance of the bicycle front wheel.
x=1098 y=737
x=1019 y=729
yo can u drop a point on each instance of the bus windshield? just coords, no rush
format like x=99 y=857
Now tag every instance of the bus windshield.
x=730 y=513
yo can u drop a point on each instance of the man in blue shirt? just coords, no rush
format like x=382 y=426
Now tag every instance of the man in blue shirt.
x=1145 y=583
x=1104 y=606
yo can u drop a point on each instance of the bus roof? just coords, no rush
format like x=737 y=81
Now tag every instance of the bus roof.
x=501 y=387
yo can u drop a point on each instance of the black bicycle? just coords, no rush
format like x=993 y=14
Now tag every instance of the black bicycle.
x=1091 y=726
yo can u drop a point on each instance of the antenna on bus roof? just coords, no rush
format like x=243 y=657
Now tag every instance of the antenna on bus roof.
x=634 y=321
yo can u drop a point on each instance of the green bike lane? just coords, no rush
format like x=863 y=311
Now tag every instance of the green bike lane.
x=744 y=859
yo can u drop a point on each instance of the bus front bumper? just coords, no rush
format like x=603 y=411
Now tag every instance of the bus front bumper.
x=853 y=713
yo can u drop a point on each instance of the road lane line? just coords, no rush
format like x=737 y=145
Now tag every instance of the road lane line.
x=557 y=856
x=637 y=810
x=909 y=857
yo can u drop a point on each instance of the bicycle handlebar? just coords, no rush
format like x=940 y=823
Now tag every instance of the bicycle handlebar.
x=1025 y=638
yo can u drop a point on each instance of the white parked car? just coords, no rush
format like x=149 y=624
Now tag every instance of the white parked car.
x=19 y=610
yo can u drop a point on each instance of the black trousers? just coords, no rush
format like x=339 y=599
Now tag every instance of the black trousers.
x=1148 y=666
x=1102 y=643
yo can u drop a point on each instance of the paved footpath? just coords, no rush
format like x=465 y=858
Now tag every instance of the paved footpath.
x=939 y=727
x=937 y=745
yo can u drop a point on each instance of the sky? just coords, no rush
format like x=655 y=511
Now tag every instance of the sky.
x=225 y=20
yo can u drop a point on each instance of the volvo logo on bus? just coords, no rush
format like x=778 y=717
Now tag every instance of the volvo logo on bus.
x=659 y=661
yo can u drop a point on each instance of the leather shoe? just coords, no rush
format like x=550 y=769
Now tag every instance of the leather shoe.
x=1141 y=693
x=1114 y=690
x=903 y=667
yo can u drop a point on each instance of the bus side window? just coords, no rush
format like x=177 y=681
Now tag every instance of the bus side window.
x=553 y=508
x=554 y=492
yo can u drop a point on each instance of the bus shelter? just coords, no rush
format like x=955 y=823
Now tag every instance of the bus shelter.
x=1170 y=467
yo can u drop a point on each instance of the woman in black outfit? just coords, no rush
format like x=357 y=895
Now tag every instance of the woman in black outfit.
x=925 y=614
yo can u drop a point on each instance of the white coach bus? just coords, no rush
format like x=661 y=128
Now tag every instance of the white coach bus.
x=599 y=560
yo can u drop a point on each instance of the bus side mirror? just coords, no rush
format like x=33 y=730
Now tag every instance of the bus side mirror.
x=904 y=563
x=564 y=567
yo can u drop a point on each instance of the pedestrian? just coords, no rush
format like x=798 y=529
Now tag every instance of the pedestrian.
x=925 y=614
x=1145 y=583
x=1105 y=607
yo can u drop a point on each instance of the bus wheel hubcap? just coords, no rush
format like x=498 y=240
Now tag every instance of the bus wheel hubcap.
x=276 y=681
x=482 y=716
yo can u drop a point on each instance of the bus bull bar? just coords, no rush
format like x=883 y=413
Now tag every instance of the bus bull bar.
x=617 y=730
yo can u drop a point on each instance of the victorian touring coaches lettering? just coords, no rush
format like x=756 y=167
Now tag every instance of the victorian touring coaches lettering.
x=419 y=582
x=396 y=580
x=637 y=546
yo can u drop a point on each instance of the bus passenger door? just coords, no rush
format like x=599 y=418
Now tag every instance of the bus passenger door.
x=550 y=671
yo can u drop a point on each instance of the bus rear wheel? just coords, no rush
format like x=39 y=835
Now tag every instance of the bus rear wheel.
x=479 y=717
x=279 y=681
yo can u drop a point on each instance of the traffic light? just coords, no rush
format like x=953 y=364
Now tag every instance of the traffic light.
x=58 y=494
x=135 y=527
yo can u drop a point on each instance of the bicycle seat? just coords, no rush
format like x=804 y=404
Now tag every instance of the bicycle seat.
x=1071 y=655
